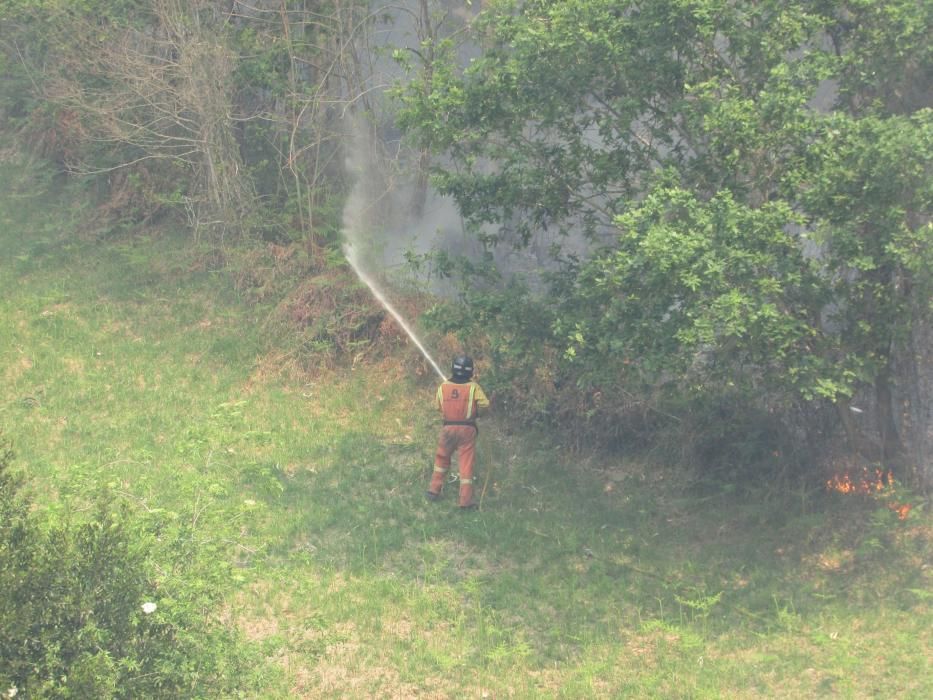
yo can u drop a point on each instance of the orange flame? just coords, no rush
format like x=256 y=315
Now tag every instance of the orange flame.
x=867 y=484
x=902 y=509
x=864 y=483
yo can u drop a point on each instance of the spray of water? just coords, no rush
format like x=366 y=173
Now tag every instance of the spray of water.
x=358 y=215
x=350 y=253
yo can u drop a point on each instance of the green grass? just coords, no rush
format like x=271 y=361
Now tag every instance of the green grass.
x=127 y=366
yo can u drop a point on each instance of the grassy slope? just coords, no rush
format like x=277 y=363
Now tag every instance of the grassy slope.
x=126 y=367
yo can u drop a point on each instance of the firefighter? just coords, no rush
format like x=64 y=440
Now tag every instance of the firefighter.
x=459 y=400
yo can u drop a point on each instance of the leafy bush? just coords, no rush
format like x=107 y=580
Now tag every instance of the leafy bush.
x=514 y=335
x=81 y=617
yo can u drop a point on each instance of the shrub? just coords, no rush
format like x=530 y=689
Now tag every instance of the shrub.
x=72 y=617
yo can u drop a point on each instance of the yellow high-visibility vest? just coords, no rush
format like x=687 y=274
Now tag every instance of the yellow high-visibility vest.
x=460 y=402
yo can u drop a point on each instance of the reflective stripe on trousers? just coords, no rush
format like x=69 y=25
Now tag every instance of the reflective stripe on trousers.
x=462 y=440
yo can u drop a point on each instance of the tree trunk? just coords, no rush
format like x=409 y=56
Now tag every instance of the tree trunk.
x=915 y=399
x=889 y=440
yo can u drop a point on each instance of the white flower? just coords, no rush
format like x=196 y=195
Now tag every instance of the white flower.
x=149 y=608
x=11 y=693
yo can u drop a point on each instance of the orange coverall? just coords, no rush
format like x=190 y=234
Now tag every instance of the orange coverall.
x=459 y=404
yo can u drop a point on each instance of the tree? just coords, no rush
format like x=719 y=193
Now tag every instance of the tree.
x=753 y=176
x=132 y=87
x=220 y=108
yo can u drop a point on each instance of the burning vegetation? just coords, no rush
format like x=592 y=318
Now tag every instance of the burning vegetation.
x=867 y=482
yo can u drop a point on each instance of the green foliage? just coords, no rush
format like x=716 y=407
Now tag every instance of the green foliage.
x=81 y=614
x=885 y=61
x=699 y=288
x=868 y=183
x=759 y=170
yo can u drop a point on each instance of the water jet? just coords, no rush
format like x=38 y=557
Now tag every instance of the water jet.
x=350 y=253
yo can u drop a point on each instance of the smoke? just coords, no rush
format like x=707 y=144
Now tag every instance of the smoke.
x=381 y=226
x=371 y=204
x=392 y=214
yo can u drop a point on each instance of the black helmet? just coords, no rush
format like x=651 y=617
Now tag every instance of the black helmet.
x=463 y=367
